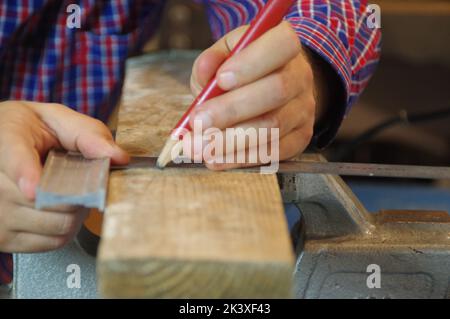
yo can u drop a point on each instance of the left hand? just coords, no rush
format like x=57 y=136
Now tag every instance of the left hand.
x=270 y=84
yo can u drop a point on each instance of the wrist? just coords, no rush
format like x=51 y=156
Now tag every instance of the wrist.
x=321 y=89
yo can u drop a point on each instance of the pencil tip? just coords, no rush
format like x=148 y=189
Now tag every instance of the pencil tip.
x=171 y=148
x=159 y=166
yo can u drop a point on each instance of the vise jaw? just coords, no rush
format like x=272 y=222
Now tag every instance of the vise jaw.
x=343 y=251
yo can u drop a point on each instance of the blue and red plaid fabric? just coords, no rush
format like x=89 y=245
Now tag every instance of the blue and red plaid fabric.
x=6 y=268
x=44 y=60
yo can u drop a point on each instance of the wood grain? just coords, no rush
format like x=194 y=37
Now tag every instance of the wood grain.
x=186 y=233
x=69 y=179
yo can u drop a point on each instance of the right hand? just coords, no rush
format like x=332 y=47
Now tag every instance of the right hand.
x=28 y=131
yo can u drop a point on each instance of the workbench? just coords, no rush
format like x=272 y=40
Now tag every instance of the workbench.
x=326 y=200
x=48 y=279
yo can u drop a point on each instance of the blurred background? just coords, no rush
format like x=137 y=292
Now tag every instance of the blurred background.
x=412 y=82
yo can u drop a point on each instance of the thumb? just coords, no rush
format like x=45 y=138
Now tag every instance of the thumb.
x=205 y=68
x=23 y=138
x=79 y=132
x=22 y=164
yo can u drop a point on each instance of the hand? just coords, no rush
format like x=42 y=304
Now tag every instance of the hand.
x=27 y=132
x=270 y=84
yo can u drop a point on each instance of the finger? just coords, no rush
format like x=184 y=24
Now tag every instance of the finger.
x=268 y=53
x=193 y=146
x=288 y=147
x=20 y=161
x=33 y=243
x=292 y=115
x=205 y=68
x=248 y=102
x=260 y=130
x=50 y=223
x=229 y=41
x=79 y=132
x=206 y=65
x=250 y=133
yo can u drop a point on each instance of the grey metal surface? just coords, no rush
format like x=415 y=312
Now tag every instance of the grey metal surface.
x=46 y=275
x=338 y=240
x=70 y=179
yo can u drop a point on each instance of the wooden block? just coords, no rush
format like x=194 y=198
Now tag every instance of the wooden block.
x=186 y=233
x=70 y=179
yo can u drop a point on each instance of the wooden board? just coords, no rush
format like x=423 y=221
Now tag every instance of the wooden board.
x=69 y=179
x=186 y=233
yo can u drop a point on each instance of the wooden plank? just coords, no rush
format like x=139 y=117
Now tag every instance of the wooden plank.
x=186 y=233
x=70 y=179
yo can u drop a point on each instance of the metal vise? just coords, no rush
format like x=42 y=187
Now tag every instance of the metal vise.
x=341 y=248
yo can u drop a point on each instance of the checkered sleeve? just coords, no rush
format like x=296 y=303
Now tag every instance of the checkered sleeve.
x=337 y=30
x=43 y=59
x=46 y=59
x=6 y=268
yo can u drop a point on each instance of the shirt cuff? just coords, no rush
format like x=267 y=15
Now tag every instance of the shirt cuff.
x=322 y=41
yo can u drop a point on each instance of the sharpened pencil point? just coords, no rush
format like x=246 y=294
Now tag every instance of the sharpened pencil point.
x=170 y=151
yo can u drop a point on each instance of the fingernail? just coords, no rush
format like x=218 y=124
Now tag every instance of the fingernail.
x=204 y=119
x=227 y=80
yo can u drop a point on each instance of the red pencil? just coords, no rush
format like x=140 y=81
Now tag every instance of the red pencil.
x=270 y=16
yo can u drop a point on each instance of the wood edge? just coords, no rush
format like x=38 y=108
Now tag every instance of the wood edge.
x=127 y=278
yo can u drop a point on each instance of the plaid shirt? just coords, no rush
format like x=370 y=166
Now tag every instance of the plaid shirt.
x=44 y=60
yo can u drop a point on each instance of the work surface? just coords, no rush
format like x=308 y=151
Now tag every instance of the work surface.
x=44 y=275
x=138 y=259
x=186 y=233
